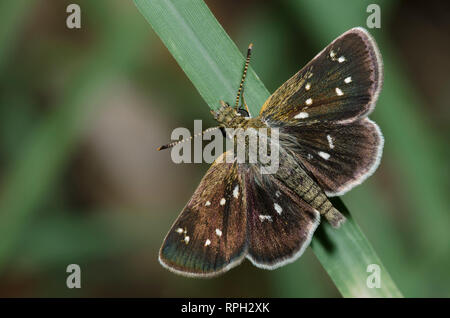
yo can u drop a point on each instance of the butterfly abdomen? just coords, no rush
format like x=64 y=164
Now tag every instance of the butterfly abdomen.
x=295 y=177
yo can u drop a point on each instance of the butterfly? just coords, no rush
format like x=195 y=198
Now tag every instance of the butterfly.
x=327 y=146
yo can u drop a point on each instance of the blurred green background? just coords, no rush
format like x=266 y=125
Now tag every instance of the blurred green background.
x=82 y=111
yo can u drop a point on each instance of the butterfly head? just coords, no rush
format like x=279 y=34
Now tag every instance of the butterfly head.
x=228 y=117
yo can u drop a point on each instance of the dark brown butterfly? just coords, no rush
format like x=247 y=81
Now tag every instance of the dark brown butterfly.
x=327 y=146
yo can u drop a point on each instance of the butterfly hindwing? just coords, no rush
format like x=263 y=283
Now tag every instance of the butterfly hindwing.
x=339 y=156
x=209 y=236
x=340 y=84
x=279 y=223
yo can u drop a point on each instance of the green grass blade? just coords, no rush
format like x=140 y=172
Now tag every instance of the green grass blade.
x=214 y=65
x=346 y=254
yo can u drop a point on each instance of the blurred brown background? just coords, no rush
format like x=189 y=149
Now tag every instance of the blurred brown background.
x=82 y=112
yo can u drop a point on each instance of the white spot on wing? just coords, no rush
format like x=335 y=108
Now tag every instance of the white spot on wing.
x=186 y=239
x=218 y=232
x=348 y=80
x=277 y=208
x=207 y=203
x=307 y=86
x=339 y=91
x=265 y=217
x=330 y=142
x=179 y=230
x=324 y=155
x=309 y=101
x=208 y=242
x=332 y=54
x=236 y=191
x=341 y=59
x=301 y=115
x=278 y=193
x=222 y=202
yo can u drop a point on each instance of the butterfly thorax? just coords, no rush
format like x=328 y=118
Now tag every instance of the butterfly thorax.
x=228 y=117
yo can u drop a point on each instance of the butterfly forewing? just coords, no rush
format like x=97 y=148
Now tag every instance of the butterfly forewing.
x=209 y=236
x=340 y=84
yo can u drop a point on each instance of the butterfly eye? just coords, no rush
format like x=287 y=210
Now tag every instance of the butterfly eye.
x=243 y=112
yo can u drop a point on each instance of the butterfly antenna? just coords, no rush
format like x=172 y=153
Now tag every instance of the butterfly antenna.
x=247 y=62
x=172 y=144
